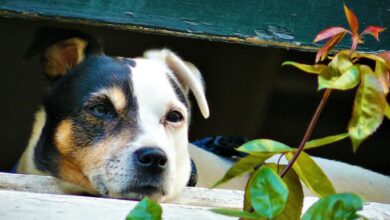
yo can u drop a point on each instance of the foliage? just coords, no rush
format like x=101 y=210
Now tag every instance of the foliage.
x=273 y=195
x=305 y=169
x=244 y=165
x=268 y=193
x=344 y=71
x=338 y=207
x=312 y=175
x=294 y=203
x=146 y=209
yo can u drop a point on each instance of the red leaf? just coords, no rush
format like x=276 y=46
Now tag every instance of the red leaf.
x=352 y=20
x=329 y=32
x=374 y=31
x=323 y=52
x=355 y=41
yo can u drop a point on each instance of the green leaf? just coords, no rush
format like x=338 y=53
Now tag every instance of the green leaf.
x=260 y=147
x=247 y=198
x=341 y=74
x=237 y=213
x=145 y=210
x=324 y=141
x=243 y=165
x=370 y=56
x=336 y=207
x=369 y=108
x=316 y=69
x=382 y=73
x=294 y=204
x=268 y=193
x=387 y=110
x=312 y=175
x=348 y=80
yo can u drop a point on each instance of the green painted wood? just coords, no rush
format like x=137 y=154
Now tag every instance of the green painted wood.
x=281 y=23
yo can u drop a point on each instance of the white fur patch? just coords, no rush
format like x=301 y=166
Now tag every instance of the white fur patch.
x=156 y=97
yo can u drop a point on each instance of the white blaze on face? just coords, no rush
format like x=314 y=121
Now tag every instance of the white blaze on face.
x=155 y=97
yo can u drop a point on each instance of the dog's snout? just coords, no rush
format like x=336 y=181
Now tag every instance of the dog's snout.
x=151 y=158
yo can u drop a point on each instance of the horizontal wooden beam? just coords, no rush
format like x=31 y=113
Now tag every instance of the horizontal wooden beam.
x=25 y=205
x=37 y=197
x=191 y=196
x=285 y=24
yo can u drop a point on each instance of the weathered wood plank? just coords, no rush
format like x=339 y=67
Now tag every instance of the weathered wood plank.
x=24 y=205
x=191 y=196
x=288 y=24
x=38 y=201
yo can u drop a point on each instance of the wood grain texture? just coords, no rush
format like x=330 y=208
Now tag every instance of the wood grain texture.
x=24 y=205
x=15 y=205
x=38 y=197
x=193 y=196
x=287 y=24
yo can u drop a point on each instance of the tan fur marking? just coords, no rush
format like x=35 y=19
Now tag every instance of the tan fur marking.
x=82 y=164
x=116 y=96
x=71 y=172
x=60 y=57
x=91 y=159
x=63 y=137
x=77 y=163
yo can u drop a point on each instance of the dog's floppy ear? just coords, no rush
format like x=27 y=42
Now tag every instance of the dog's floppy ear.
x=61 y=49
x=187 y=74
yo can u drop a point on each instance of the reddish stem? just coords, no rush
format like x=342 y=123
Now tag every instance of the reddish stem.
x=278 y=163
x=308 y=132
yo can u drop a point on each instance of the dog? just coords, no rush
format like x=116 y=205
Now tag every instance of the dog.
x=118 y=127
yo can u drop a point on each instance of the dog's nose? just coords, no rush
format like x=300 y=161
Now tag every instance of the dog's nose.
x=151 y=159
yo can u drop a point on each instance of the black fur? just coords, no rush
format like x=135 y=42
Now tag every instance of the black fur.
x=70 y=97
x=46 y=36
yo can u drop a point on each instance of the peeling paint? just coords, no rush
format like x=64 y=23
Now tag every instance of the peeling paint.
x=206 y=23
x=280 y=32
x=256 y=41
x=190 y=22
x=274 y=32
x=129 y=13
x=229 y=39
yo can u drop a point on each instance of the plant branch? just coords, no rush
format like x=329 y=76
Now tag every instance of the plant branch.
x=308 y=132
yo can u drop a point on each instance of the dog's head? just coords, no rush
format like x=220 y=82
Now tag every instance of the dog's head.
x=115 y=126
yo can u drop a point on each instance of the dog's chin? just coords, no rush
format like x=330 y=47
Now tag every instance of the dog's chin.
x=132 y=187
x=156 y=193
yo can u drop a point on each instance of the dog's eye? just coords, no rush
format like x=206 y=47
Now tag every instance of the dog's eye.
x=174 y=116
x=101 y=109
